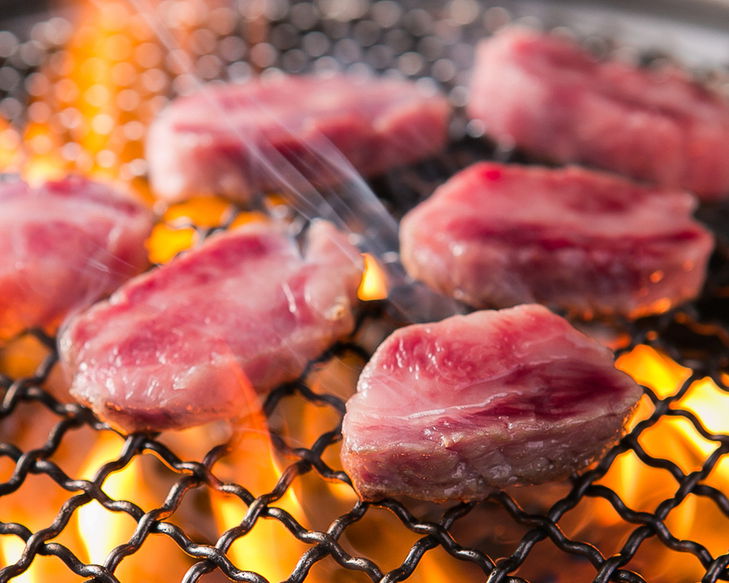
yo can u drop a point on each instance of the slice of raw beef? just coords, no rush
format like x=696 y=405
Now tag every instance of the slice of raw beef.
x=459 y=408
x=291 y=132
x=63 y=245
x=498 y=235
x=553 y=99
x=196 y=339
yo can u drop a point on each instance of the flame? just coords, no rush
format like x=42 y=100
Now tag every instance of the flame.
x=39 y=499
x=34 y=510
x=252 y=461
x=708 y=402
x=643 y=487
x=437 y=566
x=638 y=484
x=268 y=548
x=374 y=280
x=100 y=529
x=204 y=211
x=306 y=422
x=653 y=369
x=87 y=91
x=11 y=548
x=104 y=89
x=174 y=233
x=22 y=356
x=165 y=242
x=144 y=482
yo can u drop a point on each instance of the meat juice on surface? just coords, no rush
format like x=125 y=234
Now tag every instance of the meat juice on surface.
x=200 y=338
x=456 y=409
x=497 y=235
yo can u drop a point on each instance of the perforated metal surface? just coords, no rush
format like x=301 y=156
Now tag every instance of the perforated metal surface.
x=556 y=533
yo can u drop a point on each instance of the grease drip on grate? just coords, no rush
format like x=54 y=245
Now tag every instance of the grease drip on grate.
x=196 y=506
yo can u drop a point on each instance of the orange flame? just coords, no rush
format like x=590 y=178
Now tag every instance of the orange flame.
x=374 y=284
x=104 y=89
x=268 y=548
x=100 y=529
x=174 y=233
x=38 y=501
x=643 y=487
x=10 y=550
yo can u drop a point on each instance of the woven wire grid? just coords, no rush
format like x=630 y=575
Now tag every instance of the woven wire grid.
x=417 y=43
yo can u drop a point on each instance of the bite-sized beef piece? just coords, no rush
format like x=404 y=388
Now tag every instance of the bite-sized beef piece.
x=459 y=408
x=553 y=99
x=63 y=245
x=498 y=235
x=196 y=339
x=291 y=132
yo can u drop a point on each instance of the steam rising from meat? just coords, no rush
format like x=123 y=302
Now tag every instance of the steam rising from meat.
x=351 y=205
x=373 y=124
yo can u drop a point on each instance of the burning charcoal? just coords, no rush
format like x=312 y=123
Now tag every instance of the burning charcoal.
x=196 y=339
x=456 y=409
x=291 y=132
x=64 y=245
x=498 y=235
x=553 y=99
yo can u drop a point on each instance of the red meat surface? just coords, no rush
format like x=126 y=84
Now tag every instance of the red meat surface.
x=63 y=245
x=456 y=409
x=553 y=99
x=498 y=235
x=291 y=132
x=198 y=338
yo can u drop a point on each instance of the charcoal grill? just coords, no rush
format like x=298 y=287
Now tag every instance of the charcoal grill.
x=510 y=537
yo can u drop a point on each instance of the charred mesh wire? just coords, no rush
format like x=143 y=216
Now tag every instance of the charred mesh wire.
x=387 y=37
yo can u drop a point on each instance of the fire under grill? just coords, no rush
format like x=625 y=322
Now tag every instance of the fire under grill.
x=80 y=501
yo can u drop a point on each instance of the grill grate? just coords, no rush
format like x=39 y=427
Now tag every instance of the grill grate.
x=506 y=538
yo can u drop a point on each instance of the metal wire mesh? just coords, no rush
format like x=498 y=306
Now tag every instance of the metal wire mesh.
x=550 y=535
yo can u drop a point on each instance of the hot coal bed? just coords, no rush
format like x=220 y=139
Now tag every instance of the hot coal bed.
x=538 y=536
